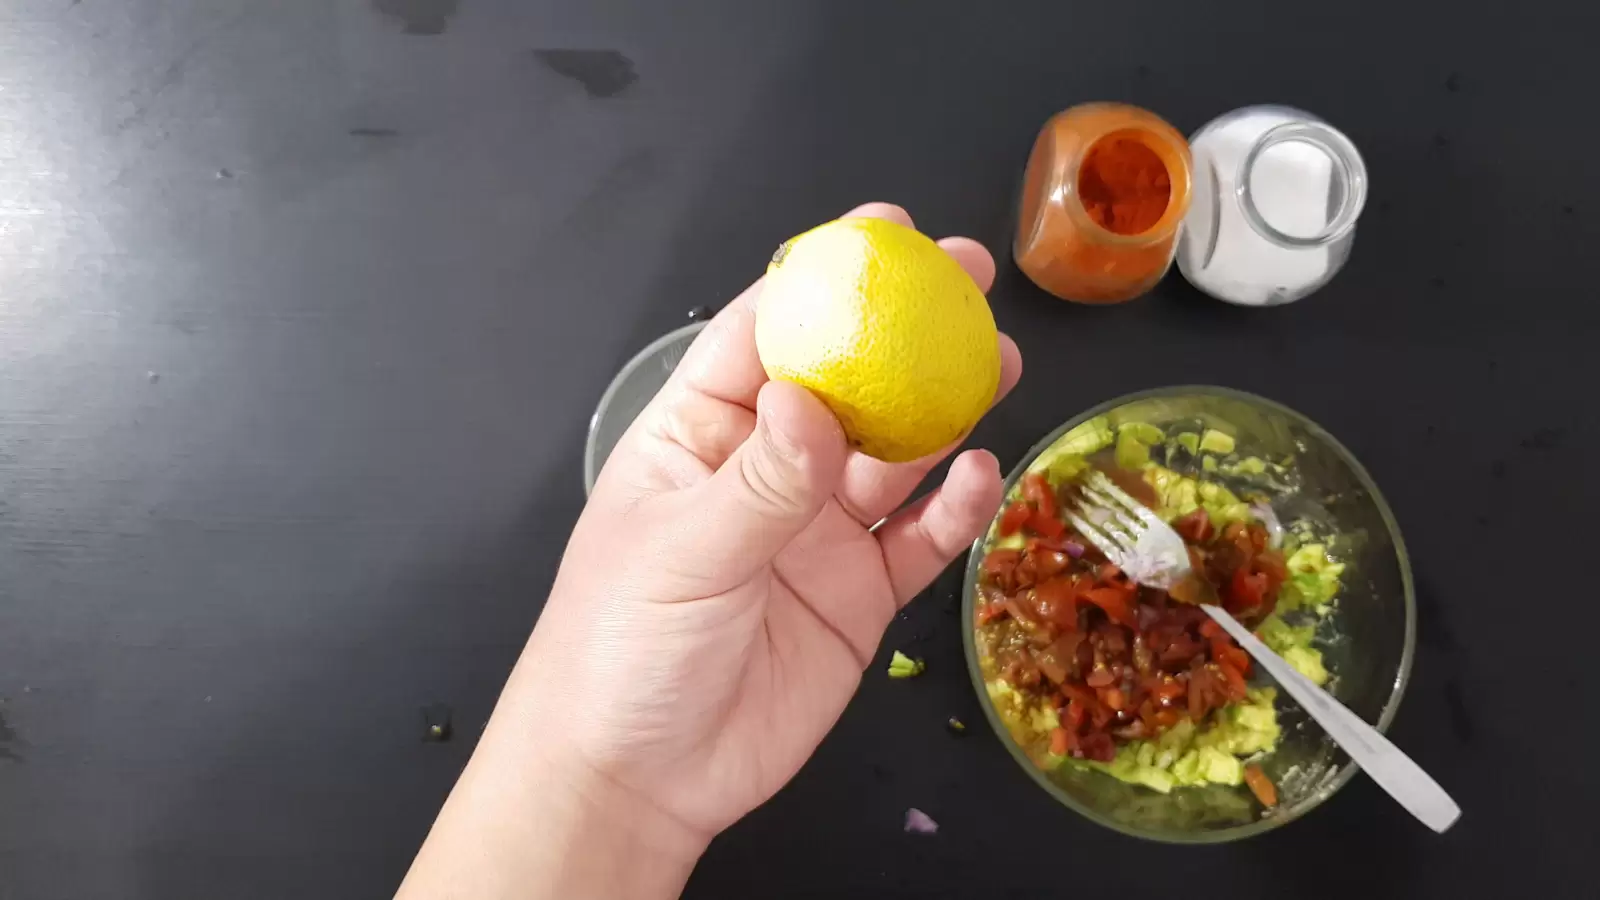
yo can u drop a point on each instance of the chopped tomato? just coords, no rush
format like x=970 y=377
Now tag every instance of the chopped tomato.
x=1261 y=786
x=1115 y=602
x=1050 y=666
x=1099 y=678
x=1113 y=640
x=1114 y=698
x=1015 y=516
x=1019 y=612
x=1048 y=563
x=1058 y=742
x=1181 y=651
x=1234 y=681
x=1246 y=590
x=1046 y=525
x=1224 y=652
x=1057 y=602
x=1199 y=694
x=1166 y=718
x=1211 y=630
x=988 y=612
x=1167 y=690
x=1083 y=697
x=1270 y=563
x=1258 y=537
x=1100 y=716
x=1000 y=562
x=1074 y=716
x=1098 y=747
x=1036 y=490
x=1194 y=527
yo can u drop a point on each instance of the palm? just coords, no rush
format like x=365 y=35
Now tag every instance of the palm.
x=747 y=657
x=807 y=659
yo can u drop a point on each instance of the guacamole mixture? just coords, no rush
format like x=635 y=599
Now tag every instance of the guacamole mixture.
x=1087 y=668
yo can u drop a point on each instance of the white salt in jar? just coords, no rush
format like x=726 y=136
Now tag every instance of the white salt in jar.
x=1276 y=195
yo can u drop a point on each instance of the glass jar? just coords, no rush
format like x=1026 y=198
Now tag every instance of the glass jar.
x=1276 y=197
x=1106 y=187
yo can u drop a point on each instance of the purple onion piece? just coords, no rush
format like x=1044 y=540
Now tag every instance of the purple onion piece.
x=918 y=822
x=1073 y=548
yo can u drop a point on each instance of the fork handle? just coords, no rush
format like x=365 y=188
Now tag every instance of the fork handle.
x=1385 y=763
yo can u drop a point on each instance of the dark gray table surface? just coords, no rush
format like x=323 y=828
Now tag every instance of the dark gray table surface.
x=304 y=306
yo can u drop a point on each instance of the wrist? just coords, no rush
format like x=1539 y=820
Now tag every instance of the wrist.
x=604 y=837
x=532 y=819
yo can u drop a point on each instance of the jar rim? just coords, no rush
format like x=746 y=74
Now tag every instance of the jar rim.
x=1171 y=145
x=1348 y=168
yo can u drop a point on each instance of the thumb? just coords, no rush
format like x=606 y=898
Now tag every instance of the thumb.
x=772 y=487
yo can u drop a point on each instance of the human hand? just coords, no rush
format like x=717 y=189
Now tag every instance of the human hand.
x=724 y=588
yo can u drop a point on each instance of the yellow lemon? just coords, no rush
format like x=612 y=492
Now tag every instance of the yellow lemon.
x=886 y=328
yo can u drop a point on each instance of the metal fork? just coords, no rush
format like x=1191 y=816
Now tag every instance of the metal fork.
x=1128 y=533
x=1151 y=553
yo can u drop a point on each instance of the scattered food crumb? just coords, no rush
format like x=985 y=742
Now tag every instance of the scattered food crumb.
x=955 y=725
x=903 y=666
x=208 y=698
x=919 y=822
x=224 y=174
x=436 y=723
x=152 y=377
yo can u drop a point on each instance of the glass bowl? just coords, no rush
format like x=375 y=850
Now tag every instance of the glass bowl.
x=1372 y=625
x=630 y=391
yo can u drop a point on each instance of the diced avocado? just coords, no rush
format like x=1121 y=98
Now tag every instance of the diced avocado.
x=1313 y=579
x=1064 y=460
x=1146 y=754
x=1178 y=736
x=1220 y=767
x=1131 y=453
x=1165 y=759
x=1044 y=718
x=1143 y=432
x=903 y=666
x=1280 y=635
x=1308 y=662
x=1187 y=769
x=1175 y=494
x=1189 y=441
x=1007 y=702
x=1214 y=441
x=1128 y=766
x=1221 y=504
x=1208 y=463
x=1085 y=439
x=1155 y=779
x=1061 y=468
x=1255 y=718
x=1244 y=729
x=1250 y=465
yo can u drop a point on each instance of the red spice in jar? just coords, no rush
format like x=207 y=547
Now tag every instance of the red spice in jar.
x=1124 y=185
x=1106 y=188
